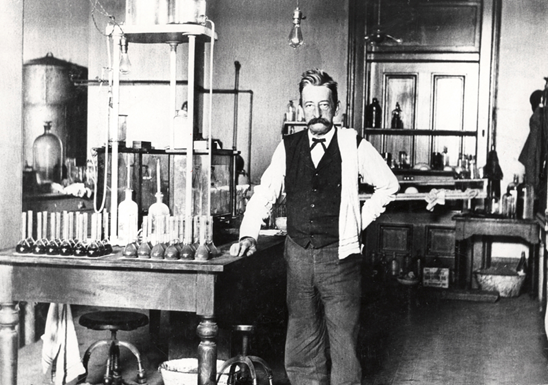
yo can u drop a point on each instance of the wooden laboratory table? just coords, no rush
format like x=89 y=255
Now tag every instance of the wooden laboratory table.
x=115 y=281
x=488 y=229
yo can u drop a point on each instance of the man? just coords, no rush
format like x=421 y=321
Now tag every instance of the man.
x=319 y=170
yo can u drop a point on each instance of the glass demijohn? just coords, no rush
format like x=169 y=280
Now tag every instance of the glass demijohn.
x=47 y=156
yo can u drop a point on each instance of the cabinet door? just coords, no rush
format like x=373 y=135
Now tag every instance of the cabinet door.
x=433 y=96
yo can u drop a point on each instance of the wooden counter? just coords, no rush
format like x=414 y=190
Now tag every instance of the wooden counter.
x=115 y=281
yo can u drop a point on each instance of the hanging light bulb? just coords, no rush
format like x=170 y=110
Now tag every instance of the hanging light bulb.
x=296 y=35
x=125 y=64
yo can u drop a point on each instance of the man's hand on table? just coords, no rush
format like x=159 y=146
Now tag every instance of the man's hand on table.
x=245 y=247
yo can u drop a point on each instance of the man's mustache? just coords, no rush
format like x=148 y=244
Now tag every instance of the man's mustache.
x=319 y=120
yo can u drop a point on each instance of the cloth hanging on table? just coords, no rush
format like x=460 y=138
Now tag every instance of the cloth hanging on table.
x=60 y=350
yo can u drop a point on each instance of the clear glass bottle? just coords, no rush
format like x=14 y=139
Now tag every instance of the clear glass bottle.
x=526 y=201
x=127 y=219
x=48 y=157
x=512 y=191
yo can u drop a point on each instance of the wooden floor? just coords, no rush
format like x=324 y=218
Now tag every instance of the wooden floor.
x=407 y=338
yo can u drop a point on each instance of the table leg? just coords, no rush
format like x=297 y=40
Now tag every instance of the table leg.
x=533 y=270
x=9 y=319
x=207 y=350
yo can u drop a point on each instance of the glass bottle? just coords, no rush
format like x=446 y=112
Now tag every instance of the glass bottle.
x=507 y=205
x=525 y=202
x=394 y=266
x=127 y=219
x=202 y=251
x=290 y=114
x=512 y=191
x=396 y=117
x=172 y=251
x=158 y=251
x=130 y=250
x=373 y=114
x=47 y=156
x=522 y=265
x=181 y=128
x=493 y=197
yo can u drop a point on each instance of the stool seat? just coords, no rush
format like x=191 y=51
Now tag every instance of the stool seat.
x=113 y=320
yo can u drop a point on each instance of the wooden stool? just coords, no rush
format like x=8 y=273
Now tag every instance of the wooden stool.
x=246 y=363
x=114 y=321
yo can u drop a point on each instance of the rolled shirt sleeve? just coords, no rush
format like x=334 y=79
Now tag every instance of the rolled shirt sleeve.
x=375 y=172
x=265 y=195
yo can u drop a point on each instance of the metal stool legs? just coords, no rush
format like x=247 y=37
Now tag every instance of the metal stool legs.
x=112 y=373
x=247 y=373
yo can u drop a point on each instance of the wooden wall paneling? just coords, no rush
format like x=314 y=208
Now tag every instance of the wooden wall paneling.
x=396 y=238
x=448 y=112
x=440 y=242
x=399 y=89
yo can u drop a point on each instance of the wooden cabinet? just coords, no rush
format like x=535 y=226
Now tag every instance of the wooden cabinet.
x=406 y=228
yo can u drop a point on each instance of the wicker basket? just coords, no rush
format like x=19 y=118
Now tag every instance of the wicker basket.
x=507 y=285
x=184 y=371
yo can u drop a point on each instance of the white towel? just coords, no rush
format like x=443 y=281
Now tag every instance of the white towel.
x=60 y=349
x=435 y=197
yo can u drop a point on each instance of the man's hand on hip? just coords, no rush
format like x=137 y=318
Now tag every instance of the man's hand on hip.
x=245 y=247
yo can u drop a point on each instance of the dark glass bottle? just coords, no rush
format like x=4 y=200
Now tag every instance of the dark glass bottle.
x=130 y=250
x=396 y=117
x=522 y=265
x=373 y=114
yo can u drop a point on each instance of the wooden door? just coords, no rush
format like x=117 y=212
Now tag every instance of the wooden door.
x=437 y=96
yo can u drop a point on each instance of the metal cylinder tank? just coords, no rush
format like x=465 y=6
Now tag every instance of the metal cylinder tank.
x=49 y=95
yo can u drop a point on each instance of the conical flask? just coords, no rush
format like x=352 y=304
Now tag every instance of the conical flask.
x=47 y=153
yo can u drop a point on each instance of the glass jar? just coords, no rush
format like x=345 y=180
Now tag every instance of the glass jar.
x=47 y=157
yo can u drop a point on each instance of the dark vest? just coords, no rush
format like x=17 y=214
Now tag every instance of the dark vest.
x=313 y=194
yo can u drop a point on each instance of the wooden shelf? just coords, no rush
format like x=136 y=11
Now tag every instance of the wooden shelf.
x=449 y=195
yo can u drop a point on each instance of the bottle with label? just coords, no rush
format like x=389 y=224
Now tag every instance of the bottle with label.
x=526 y=201
x=396 y=117
x=373 y=114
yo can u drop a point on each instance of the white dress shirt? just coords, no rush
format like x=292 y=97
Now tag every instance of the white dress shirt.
x=371 y=169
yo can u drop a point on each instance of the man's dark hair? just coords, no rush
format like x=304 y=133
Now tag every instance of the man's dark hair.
x=317 y=77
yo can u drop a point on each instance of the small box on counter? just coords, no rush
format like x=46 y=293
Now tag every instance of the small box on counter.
x=435 y=277
x=142 y=145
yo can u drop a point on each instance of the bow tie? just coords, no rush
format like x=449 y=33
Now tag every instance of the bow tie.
x=316 y=141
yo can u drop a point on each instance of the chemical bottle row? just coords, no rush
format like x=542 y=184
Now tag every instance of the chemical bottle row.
x=518 y=201
x=173 y=238
x=386 y=267
x=65 y=233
